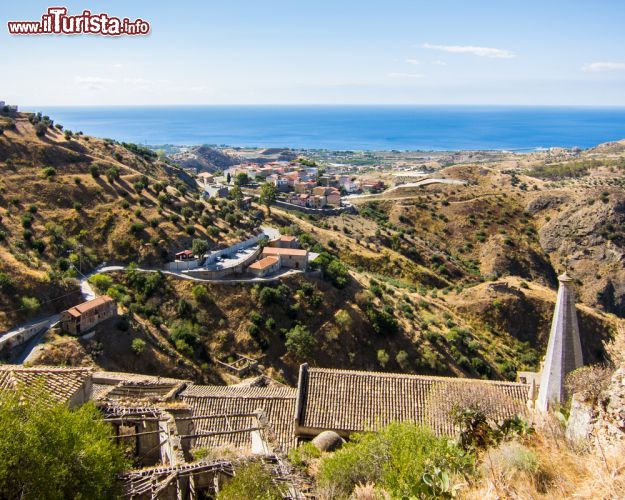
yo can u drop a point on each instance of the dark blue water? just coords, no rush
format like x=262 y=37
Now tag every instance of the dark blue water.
x=351 y=127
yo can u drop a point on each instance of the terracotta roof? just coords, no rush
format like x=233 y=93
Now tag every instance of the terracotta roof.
x=343 y=400
x=60 y=383
x=284 y=251
x=185 y=252
x=277 y=403
x=287 y=237
x=90 y=304
x=264 y=263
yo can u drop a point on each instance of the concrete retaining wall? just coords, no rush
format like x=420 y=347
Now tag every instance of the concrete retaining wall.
x=15 y=338
x=182 y=265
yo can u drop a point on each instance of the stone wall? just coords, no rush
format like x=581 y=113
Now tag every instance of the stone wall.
x=315 y=211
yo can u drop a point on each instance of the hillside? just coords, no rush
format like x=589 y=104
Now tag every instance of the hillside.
x=83 y=200
x=438 y=279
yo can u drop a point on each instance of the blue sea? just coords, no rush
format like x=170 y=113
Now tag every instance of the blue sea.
x=350 y=127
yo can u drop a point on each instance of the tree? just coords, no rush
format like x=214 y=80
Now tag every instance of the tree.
x=94 y=170
x=41 y=128
x=48 y=451
x=241 y=179
x=112 y=174
x=268 y=193
x=199 y=247
x=237 y=194
x=299 y=342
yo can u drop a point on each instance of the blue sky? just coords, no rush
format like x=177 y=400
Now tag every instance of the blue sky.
x=332 y=52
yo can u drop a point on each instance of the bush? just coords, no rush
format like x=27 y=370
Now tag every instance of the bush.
x=112 y=174
x=200 y=294
x=402 y=360
x=94 y=170
x=269 y=295
x=101 y=281
x=6 y=283
x=138 y=346
x=299 y=342
x=382 y=321
x=50 y=451
x=41 y=128
x=30 y=304
x=48 y=172
x=383 y=357
x=185 y=330
x=251 y=481
x=405 y=459
x=184 y=348
x=304 y=454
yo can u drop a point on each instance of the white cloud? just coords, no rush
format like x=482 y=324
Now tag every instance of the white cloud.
x=597 y=67
x=413 y=61
x=471 y=49
x=92 y=82
x=404 y=75
x=438 y=62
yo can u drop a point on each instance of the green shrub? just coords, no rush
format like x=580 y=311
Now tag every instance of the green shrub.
x=138 y=346
x=251 y=482
x=382 y=321
x=183 y=347
x=200 y=294
x=101 y=281
x=48 y=172
x=383 y=357
x=402 y=360
x=303 y=454
x=30 y=304
x=50 y=451
x=299 y=342
x=6 y=283
x=402 y=458
x=185 y=330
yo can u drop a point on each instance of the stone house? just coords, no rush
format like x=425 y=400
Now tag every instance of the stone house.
x=293 y=258
x=285 y=241
x=83 y=317
x=265 y=266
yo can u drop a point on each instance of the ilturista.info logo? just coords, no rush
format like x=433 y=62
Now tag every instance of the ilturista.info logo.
x=56 y=21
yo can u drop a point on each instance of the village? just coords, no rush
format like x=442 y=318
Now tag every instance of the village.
x=299 y=183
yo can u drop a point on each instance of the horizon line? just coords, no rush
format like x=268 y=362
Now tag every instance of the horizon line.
x=325 y=105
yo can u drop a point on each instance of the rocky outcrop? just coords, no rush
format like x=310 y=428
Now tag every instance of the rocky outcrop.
x=600 y=423
x=589 y=239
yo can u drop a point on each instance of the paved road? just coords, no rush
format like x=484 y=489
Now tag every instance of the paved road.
x=425 y=182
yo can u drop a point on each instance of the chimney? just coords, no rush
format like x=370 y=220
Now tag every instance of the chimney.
x=564 y=351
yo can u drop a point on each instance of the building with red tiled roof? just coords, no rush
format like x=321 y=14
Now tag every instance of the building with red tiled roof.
x=265 y=266
x=83 y=317
x=294 y=258
x=285 y=241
